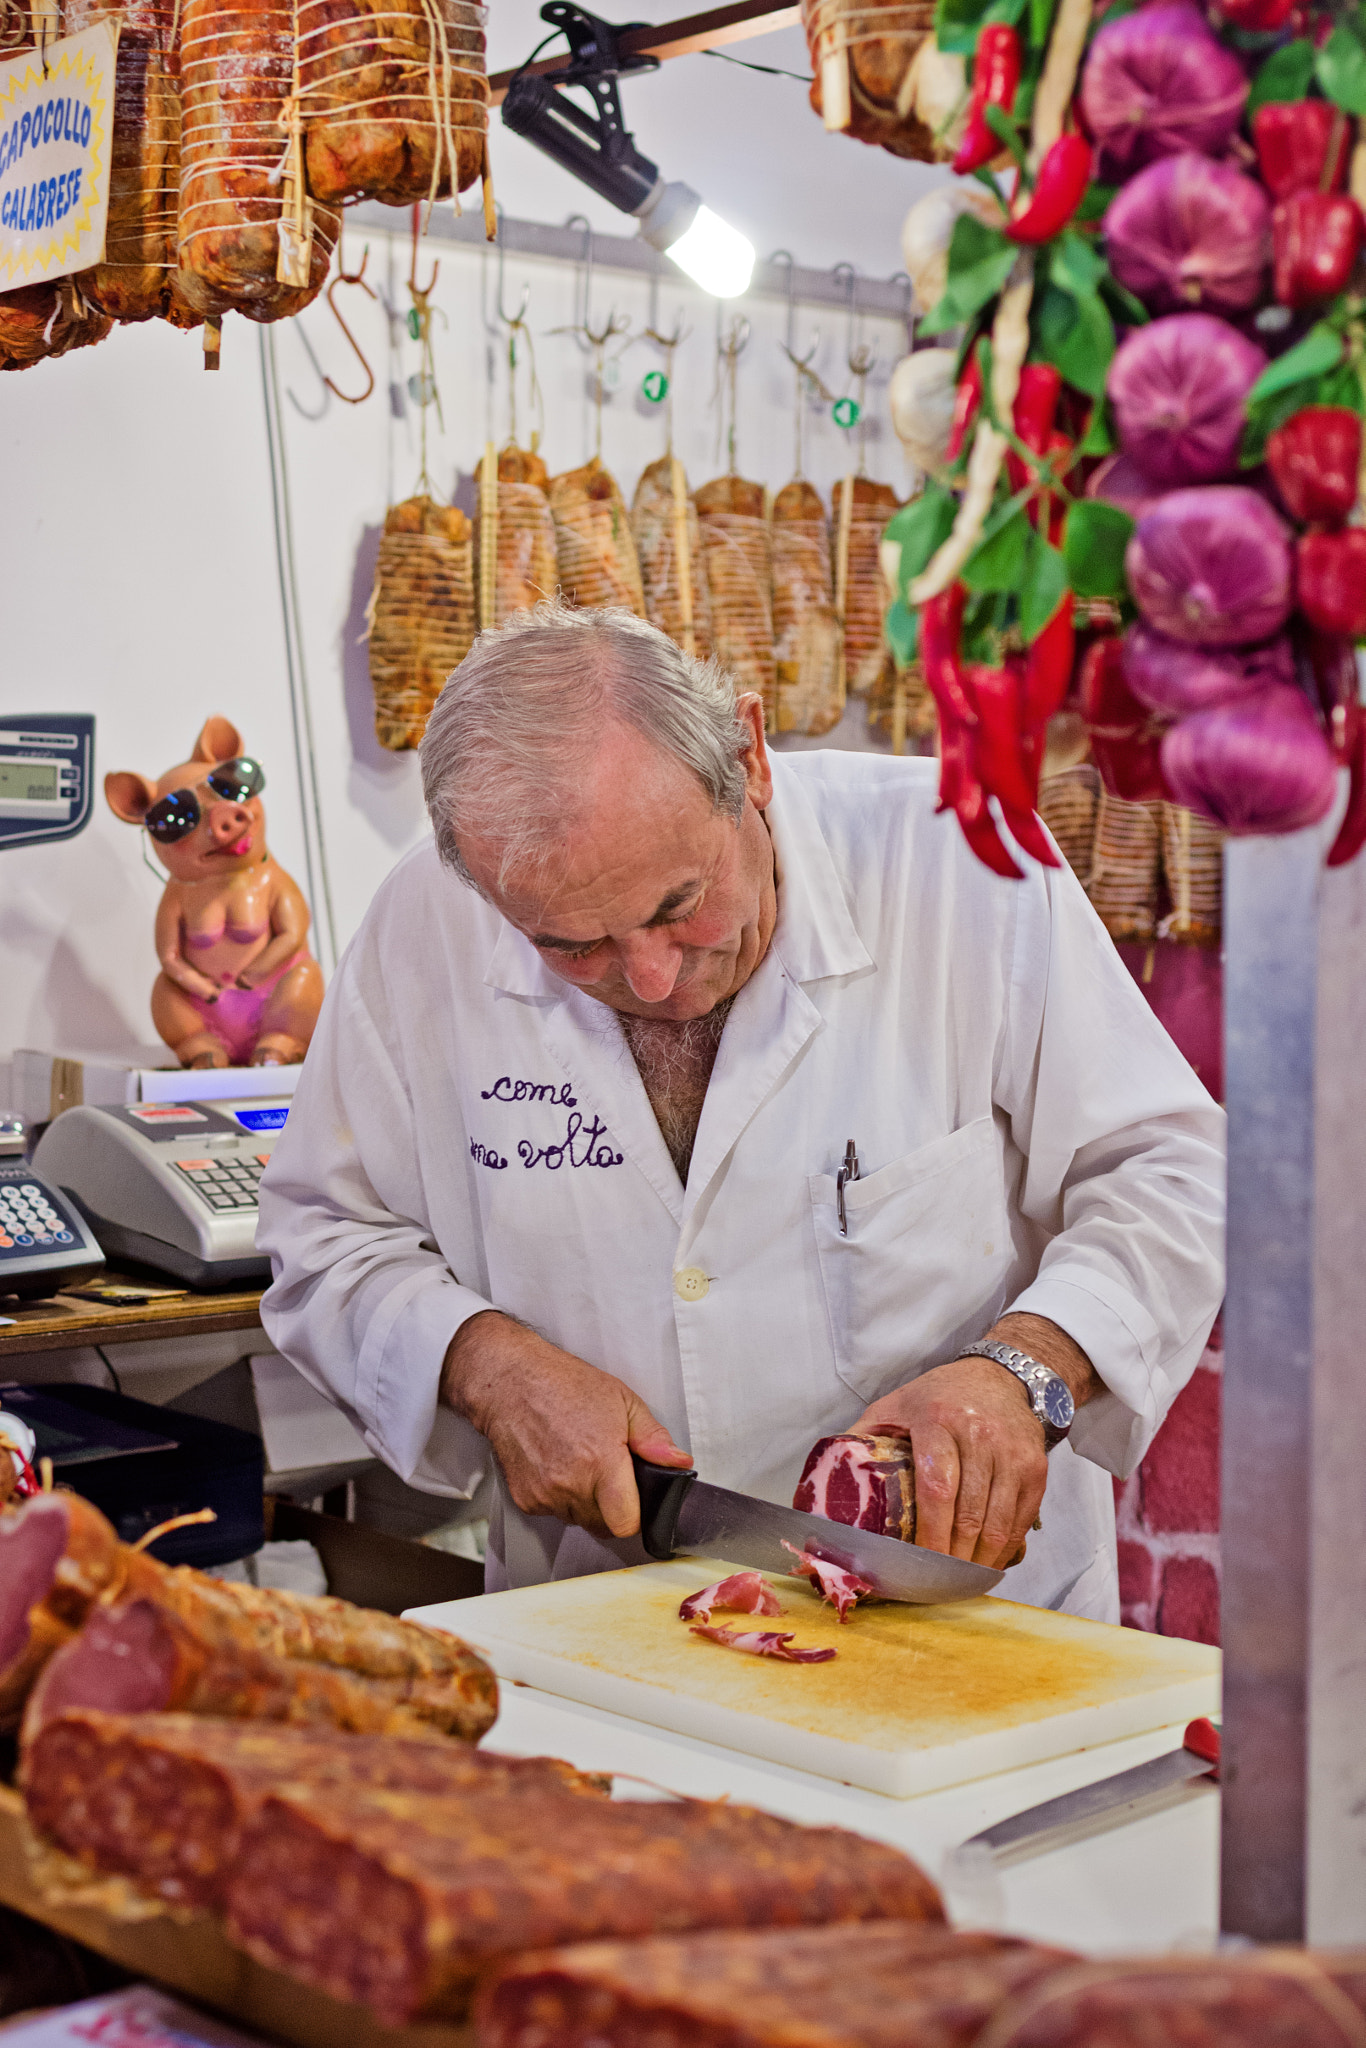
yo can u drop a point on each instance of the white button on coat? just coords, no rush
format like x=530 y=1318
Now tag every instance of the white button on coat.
x=469 y=1131
x=691 y=1284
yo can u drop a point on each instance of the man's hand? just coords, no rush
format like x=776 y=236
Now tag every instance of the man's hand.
x=980 y=1463
x=562 y=1431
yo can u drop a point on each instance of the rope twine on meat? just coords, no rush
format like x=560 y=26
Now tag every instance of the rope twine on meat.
x=834 y=28
x=1010 y=328
x=1007 y=2023
x=144 y=198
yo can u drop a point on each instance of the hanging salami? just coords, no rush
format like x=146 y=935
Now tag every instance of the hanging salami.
x=737 y=550
x=593 y=541
x=394 y=96
x=806 y=632
x=525 y=567
x=669 y=543
x=422 y=614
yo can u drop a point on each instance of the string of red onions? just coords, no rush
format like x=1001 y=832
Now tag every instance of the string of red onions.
x=1157 y=82
x=1259 y=766
x=1212 y=566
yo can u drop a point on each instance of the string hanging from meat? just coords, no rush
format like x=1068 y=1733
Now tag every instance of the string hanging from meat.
x=525 y=565
x=806 y=629
x=737 y=549
x=594 y=545
x=669 y=543
x=421 y=614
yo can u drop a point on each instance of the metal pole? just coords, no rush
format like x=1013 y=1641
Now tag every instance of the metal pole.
x=1294 y=1450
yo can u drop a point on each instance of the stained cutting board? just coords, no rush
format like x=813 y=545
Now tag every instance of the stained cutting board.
x=918 y=1697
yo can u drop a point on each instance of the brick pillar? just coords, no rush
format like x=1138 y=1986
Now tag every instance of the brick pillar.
x=1167 y=1516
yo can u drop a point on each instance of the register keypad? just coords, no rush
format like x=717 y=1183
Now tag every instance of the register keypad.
x=28 y=1220
x=224 y=1184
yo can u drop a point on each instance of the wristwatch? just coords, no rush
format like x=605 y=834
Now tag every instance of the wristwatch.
x=1049 y=1394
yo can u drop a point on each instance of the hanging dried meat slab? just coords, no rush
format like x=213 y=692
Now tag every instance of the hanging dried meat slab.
x=1193 y=864
x=594 y=545
x=737 y=549
x=1124 y=880
x=237 y=73
x=422 y=614
x=806 y=631
x=526 y=569
x=41 y=320
x=393 y=92
x=1067 y=805
x=866 y=48
x=661 y=504
x=862 y=585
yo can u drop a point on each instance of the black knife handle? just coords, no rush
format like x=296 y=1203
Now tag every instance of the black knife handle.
x=661 y=1489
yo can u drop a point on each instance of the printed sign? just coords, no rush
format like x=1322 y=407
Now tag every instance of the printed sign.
x=56 y=121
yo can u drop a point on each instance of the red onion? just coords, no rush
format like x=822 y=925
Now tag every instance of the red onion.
x=1119 y=481
x=1179 y=390
x=1157 y=82
x=1172 y=676
x=1260 y=766
x=1211 y=566
x=1190 y=232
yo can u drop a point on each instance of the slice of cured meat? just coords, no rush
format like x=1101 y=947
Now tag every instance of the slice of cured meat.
x=661 y=512
x=401 y=1905
x=866 y=1481
x=887 y=1984
x=741 y=1593
x=163 y=1798
x=764 y=1642
x=596 y=549
x=139 y=1657
x=835 y=1583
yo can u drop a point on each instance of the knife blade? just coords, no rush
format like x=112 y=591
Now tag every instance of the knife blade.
x=680 y=1512
x=1198 y=1757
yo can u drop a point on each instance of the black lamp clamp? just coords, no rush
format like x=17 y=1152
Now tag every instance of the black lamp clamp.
x=598 y=148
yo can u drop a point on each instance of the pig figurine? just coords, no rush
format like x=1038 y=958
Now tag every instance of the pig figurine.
x=237 y=985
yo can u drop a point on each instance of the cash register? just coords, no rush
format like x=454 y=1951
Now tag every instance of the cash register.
x=171 y=1185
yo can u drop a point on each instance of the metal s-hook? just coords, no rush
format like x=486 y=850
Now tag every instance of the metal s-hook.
x=303 y=410
x=518 y=318
x=418 y=291
x=344 y=277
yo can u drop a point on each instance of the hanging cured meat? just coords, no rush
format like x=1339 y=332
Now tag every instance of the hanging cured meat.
x=1124 y=882
x=525 y=568
x=865 y=58
x=237 y=74
x=1067 y=805
x=737 y=549
x=1193 y=866
x=867 y=1482
x=860 y=510
x=664 y=521
x=393 y=93
x=40 y=320
x=422 y=614
x=594 y=544
x=806 y=632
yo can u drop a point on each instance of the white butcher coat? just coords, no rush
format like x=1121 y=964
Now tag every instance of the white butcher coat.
x=469 y=1131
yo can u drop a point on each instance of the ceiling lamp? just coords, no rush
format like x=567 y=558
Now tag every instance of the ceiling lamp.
x=600 y=150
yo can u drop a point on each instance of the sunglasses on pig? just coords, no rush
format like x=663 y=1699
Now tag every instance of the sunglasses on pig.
x=179 y=813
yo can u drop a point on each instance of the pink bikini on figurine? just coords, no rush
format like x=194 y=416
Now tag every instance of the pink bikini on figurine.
x=238 y=985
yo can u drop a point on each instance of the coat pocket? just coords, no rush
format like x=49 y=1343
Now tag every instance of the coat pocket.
x=928 y=1261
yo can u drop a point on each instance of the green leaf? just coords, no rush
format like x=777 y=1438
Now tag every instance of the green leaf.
x=1075 y=264
x=997 y=563
x=1099 y=438
x=956 y=22
x=901 y=631
x=1318 y=352
x=1045 y=584
x=1122 y=302
x=1093 y=542
x=1341 y=386
x=1077 y=335
x=1040 y=21
x=1097 y=197
x=980 y=261
x=1284 y=76
x=1340 y=68
x=1006 y=131
x=919 y=528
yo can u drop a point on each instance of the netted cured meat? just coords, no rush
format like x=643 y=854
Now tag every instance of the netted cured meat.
x=663 y=515
x=400 y=1904
x=525 y=564
x=866 y=49
x=806 y=630
x=41 y=320
x=859 y=512
x=422 y=614
x=393 y=93
x=236 y=75
x=888 y=1984
x=738 y=551
x=1067 y=805
x=1125 y=881
x=1193 y=865
x=163 y=1798
x=594 y=545
x=867 y=1482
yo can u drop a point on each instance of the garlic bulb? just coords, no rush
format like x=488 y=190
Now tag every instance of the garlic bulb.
x=921 y=396
x=941 y=95
x=928 y=229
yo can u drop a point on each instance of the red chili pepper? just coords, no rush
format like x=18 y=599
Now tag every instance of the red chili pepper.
x=995 y=80
x=1059 y=190
x=1334 y=663
x=1263 y=14
x=1124 y=742
x=941 y=634
x=1036 y=405
x=1352 y=831
x=997 y=694
x=1302 y=146
x=1058 y=445
x=974 y=814
x=1330 y=580
x=1315 y=237
x=1048 y=667
x=967 y=400
x=1027 y=830
x=1314 y=459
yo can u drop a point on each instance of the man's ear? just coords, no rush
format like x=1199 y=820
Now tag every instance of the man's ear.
x=749 y=709
x=219 y=741
x=129 y=796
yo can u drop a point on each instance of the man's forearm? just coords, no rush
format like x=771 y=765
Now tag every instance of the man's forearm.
x=1041 y=1339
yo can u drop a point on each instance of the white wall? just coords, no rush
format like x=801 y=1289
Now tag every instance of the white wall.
x=137 y=553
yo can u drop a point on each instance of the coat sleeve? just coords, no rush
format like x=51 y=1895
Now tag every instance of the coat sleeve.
x=1124 y=1168
x=362 y=1302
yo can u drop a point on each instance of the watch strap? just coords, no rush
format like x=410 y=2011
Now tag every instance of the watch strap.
x=1033 y=1376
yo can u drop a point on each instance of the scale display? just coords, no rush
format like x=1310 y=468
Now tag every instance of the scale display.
x=46 y=771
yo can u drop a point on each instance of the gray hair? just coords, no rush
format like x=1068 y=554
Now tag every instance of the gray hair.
x=510 y=734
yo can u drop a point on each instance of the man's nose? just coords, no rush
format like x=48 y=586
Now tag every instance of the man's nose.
x=228 y=822
x=650 y=960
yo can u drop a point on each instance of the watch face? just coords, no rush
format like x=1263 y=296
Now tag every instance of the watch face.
x=1058 y=1406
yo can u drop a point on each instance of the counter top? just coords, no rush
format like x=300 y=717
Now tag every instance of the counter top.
x=1144 y=1884
x=61 y=1322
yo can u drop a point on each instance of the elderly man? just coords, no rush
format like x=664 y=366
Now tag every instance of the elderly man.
x=684 y=1100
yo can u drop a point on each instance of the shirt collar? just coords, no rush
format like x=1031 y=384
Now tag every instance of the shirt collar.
x=815 y=935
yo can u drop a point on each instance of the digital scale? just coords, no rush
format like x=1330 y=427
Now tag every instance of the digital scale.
x=46 y=770
x=169 y=1184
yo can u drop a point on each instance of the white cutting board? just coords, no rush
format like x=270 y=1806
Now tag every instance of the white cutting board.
x=918 y=1697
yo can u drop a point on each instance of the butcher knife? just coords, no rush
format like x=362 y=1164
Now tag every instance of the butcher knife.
x=1198 y=1757
x=680 y=1512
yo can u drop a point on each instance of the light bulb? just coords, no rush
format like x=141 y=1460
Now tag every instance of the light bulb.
x=714 y=255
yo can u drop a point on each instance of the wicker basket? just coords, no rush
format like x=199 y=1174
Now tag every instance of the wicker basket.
x=422 y=614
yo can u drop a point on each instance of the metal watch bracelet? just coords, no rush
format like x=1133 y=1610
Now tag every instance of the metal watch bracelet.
x=1049 y=1394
